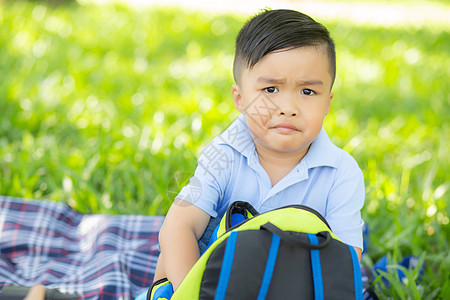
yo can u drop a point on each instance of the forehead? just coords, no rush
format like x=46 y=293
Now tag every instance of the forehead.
x=302 y=63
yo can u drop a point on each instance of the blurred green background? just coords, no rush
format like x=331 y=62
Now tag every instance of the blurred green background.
x=105 y=107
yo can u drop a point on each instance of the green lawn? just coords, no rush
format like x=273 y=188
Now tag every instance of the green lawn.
x=107 y=108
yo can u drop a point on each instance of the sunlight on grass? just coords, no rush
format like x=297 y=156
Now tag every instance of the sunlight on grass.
x=106 y=108
x=400 y=13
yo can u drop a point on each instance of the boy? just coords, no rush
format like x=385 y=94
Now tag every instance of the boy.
x=276 y=152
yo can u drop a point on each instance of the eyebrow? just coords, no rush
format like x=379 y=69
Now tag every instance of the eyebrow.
x=274 y=80
x=270 y=79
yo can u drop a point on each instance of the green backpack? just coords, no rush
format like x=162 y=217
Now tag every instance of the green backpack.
x=286 y=253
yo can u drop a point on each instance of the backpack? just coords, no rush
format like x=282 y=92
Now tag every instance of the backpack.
x=286 y=253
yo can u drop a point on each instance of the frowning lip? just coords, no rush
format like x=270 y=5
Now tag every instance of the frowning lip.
x=285 y=127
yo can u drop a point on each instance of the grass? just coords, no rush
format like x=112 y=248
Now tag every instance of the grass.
x=105 y=108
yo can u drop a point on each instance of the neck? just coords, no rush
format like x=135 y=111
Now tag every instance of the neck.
x=276 y=164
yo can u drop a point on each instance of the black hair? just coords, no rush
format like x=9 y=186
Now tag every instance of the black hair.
x=273 y=30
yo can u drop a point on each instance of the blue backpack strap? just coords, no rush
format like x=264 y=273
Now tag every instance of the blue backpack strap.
x=316 y=268
x=227 y=264
x=237 y=213
x=235 y=219
x=160 y=290
x=270 y=265
x=357 y=274
x=210 y=235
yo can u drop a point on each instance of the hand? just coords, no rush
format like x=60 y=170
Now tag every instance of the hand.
x=37 y=292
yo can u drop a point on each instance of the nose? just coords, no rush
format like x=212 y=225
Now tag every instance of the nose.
x=287 y=109
x=287 y=104
x=288 y=113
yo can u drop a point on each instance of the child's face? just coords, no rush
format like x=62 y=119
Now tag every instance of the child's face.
x=285 y=98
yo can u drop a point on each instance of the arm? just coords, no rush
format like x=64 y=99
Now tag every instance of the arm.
x=183 y=226
x=358 y=252
x=345 y=201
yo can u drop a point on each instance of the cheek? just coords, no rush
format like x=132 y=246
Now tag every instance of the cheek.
x=256 y=127
x=262 y=108
x=254 y=124
x=317 y=110
x=314 y=117
x=316 y=121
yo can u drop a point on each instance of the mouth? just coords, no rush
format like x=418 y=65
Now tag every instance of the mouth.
x=285 y=128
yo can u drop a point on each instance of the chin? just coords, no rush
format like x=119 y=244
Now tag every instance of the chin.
x=286 y=147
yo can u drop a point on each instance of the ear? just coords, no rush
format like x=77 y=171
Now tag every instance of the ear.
x=237 y=97
x=329 y=103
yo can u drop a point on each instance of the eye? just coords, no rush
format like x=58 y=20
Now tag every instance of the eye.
x=308 y=92
x=271 y=90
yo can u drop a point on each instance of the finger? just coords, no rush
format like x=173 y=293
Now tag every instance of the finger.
x=37 y=292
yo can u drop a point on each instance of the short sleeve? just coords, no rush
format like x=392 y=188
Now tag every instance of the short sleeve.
x=206 y=188
x=345 y=201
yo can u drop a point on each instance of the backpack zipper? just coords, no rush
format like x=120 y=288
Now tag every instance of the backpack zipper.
x=299 y=206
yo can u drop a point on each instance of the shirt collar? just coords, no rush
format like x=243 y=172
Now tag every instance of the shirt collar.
x=321 y=153
x=238 y=137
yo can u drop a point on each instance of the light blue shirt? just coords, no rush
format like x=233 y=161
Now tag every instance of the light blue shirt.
x=327 y=179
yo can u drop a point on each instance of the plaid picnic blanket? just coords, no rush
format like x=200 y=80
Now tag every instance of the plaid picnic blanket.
x=95 y=256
